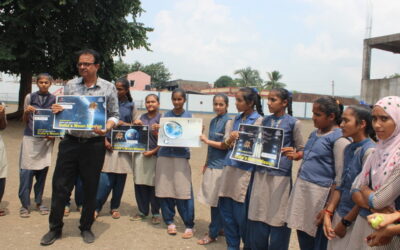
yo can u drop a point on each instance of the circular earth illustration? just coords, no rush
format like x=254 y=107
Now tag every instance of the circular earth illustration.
x=173 y=129
x=131 y=134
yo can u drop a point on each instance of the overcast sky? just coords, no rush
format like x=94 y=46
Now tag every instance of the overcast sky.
x=311 y=42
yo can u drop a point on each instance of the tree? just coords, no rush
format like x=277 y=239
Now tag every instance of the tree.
x=273 y=81
x=136 y=66
x=248 y=77
x=224 y=81
x=121 y=69
x=42 y=36
x=159 y=74
x=157 y=71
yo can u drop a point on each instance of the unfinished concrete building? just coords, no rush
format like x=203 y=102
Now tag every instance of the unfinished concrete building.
x=374 y=89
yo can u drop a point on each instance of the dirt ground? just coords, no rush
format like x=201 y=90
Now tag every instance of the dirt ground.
x=25 y=233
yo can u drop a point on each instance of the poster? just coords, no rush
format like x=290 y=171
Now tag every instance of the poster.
x=81 y=112
x=258 y=145
x=180 y=132
x=43 y=124
x=130 y=138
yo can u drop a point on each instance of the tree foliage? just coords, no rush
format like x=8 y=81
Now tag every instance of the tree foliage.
x=248 y=77
x=273 y=81
x=42 y=35
x=158 y=72
x=224 y=81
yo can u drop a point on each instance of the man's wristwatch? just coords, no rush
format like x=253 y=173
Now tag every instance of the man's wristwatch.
x=346 y=223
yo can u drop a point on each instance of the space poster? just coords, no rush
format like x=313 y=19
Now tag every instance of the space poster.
x=43 y=124
x=81 y=112
x=258 y=145
x=180 y=132
x=130 y=138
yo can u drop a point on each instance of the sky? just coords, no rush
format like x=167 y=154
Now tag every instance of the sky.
x=310 y=42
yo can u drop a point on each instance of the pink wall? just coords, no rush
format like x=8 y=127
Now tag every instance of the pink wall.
x=141 y=80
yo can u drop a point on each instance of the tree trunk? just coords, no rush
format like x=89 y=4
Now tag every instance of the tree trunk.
x=25 y=87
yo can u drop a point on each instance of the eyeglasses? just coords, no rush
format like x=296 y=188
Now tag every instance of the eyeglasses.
x=84 y=64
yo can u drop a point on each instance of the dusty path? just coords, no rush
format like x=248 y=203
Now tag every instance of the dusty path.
x=18 y=233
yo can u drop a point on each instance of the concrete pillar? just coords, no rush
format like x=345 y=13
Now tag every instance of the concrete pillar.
x=366 y=66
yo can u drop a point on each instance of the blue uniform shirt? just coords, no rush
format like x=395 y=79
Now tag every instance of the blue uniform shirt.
x=287 y=123
x=353 y=161
x=215 y=156
x=318 y=164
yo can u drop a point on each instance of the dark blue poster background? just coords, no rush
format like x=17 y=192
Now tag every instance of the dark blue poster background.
x=81 y=112
x=130 y=138
x=43 y=124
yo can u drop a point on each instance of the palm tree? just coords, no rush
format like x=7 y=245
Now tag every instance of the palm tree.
x=248 y=77
x=273 y=81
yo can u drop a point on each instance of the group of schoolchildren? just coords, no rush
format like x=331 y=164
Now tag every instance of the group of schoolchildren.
x=349 y=174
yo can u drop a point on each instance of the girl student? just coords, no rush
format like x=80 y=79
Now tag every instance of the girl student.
x=3 y=155
x=271 y=187
x=320 y=171
x=357 y=125
x=377 y=187
x=116 y=164
x=145 y=165
x=237 y=177
x=173 y=179
x=220 y=126
x=386 y=230
x=35 y=156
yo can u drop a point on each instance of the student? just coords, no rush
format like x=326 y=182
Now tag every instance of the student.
x=377 y=187
x=35 y=156
x=237 y=177
x=386 y=230
x=78 y=193
x=116 y=164
x=320 y=171
x=144 y=167
x=3 y=156
x=220 y=126
x=271 y=187
x=357 y=125
x=173 y=176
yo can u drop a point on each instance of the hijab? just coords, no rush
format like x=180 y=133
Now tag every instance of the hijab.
x=386 y=157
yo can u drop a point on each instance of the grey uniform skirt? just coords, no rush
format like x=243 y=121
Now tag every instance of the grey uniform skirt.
x=173 y=178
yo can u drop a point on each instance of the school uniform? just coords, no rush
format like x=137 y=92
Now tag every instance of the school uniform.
x=321 y=168
x=116 y=166
x=270 y=192
x=3 y=166
x=355 y=155
x=35 y=155
x=173 y=181
x=208 y=194
x=235 y=189
x=144 y=169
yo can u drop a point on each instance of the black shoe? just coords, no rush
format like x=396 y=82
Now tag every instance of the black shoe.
x=50 y=237
x=87 y=236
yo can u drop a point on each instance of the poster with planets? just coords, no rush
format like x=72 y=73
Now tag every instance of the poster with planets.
x=259 y=145
x=179 y=132
x=130 y=138
x=81 y=112
x=43 y=124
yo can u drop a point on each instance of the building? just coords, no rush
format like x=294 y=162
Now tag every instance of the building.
x=297 y=97
x=187 y=85
x=230 y=91
x=374 y=89
x=139 y=80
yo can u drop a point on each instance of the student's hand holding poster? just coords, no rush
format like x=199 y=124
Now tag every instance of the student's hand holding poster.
x=258 y=145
